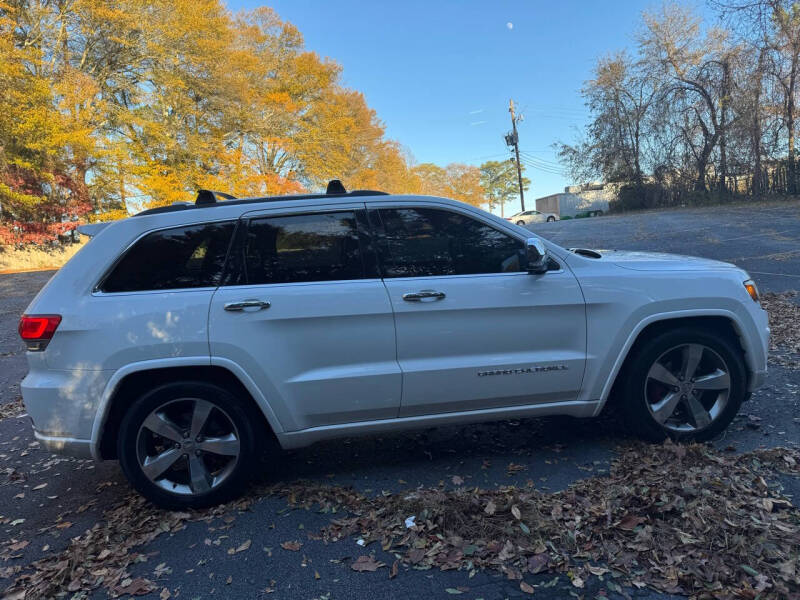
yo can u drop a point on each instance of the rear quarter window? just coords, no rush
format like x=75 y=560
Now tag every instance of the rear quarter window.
x=176 y=258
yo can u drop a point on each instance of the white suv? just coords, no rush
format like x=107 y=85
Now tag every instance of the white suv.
x=184 y=340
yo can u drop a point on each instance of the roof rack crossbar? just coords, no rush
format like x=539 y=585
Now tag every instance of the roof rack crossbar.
x=210 y=197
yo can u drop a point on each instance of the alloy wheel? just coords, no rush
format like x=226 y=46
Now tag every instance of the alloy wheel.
x=188 y=446
x=687 y=388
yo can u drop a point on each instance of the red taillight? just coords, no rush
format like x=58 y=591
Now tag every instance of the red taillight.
x=37 y=330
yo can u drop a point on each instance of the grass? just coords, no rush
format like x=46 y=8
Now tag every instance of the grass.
x=34 y=257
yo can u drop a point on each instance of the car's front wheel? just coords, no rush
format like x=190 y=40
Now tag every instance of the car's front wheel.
x=187 y=445
x=550 y=219
x=686 y=383
x=520 y=222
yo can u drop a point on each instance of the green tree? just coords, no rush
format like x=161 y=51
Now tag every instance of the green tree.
x=500 y=183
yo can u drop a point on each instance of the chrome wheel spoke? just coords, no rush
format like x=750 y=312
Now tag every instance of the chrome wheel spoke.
x=154 y=466
x=692 y=355
x=698 y=386
x=699 y=414
x=188 y=446
x=200 y=414
x=224 y=446
x=665 y=408
x=162 y=426
x=198 y=474
x=660 y=373
x=718 y=380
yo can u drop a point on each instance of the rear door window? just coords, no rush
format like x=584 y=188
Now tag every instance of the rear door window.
x=303 y=248
x=181 y=257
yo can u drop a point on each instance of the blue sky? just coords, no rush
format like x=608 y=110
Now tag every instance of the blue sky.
x=440 y=73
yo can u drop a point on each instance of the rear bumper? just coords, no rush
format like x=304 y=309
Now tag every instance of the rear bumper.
x=757 y=379
x=62 y=406
x=65 y=445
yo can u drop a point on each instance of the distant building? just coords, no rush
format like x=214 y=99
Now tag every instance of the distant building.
x=589 y=197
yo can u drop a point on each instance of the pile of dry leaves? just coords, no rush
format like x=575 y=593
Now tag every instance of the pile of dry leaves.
x=681 y=519
x=11 y=409
x=784 y=322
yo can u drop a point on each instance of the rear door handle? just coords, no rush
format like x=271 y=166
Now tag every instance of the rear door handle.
x=423 y=295
x=240 y=306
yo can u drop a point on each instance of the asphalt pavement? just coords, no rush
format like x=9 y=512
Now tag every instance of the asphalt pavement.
x=46 y=500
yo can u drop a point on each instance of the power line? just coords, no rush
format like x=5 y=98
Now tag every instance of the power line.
x=541 y=160
x=542 y=168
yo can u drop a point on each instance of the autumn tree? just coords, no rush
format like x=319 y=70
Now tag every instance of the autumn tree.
x=139 y=103
x=500 y=182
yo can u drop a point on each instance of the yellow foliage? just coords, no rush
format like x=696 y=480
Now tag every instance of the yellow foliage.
x=146 y=101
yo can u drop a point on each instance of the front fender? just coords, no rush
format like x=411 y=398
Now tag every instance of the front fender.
x=746 y=328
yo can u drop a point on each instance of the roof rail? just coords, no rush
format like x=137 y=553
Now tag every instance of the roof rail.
x=210 y=197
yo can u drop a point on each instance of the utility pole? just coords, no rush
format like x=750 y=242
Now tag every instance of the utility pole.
x=513 y=140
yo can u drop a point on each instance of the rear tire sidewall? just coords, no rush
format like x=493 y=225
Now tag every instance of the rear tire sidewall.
x=637 y=414
x=238 y=412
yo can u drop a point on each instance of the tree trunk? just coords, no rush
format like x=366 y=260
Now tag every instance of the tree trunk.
x=723 y=153
x=792 y=183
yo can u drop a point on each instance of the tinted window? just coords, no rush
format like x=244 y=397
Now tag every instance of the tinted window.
x=184 y=257
x=423 y=241
x=296 y=248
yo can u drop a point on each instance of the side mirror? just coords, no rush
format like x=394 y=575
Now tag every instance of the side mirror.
x=536 y=253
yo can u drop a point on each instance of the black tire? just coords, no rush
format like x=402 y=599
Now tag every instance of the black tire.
x=235 y=410
x=634 y=402
x=521 y=223
x=550 y=219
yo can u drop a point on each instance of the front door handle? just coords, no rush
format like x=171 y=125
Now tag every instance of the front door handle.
x=240 y=306
x=423 y=295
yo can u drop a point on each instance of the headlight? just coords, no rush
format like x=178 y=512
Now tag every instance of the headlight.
x=751 y=288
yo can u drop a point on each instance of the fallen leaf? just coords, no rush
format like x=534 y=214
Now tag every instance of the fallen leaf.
x=516 y=513
x=490 y=508
x=629 y=522
x=526 y=587
x=538 y=563
x=294 y=545
x=18 y=545
x=366 y=563
x=135 y=587
x=457 y=480
x=165 y=594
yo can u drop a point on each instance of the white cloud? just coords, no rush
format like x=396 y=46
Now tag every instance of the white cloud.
x=510 y=25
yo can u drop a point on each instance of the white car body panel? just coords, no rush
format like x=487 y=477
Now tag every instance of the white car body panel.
x=338 y=358
x=323 y=353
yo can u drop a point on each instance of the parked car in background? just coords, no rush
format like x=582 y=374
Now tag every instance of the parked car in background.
x=532 y=216
x=188 y=340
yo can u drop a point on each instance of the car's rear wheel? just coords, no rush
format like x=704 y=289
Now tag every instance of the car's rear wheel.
x=686 y=384
x=187 y=445
x=520 y=222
